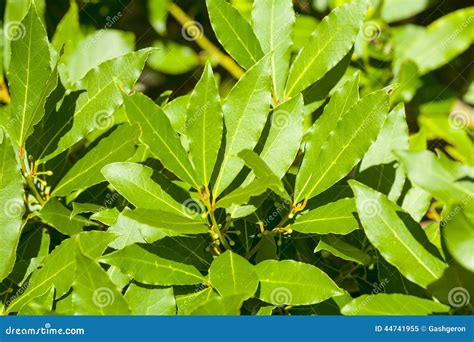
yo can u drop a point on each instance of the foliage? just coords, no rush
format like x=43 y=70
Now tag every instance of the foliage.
x=322 y=162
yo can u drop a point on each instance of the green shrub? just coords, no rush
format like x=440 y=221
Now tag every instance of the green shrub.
x=334 y=177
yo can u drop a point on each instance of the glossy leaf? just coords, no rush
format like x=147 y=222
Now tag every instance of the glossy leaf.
x=145 y=225
x=95 y=107
x=204 y=125
x=443 y=40
x=232 y=274
x=145 y=301
x=58 y=269
x=134 y=182
x=336 y=218
x=58 y=216
x=234 y=33
x=148 y=268
x=273 y=22
x=263 y=172
x=346 y=145
x=343 y=250
x=294 y=283
x=31 y=79
x=222 y=306
x=341 y=101
x=86 y=172
x=441 y=179
x=458 y=232
x=13 y=207
x=88 y=54
x=386 y=230
x=329 y=43
x=393 y=136
x=245 y=113
x=392 y=304
x=164 y=143
x=284 y=137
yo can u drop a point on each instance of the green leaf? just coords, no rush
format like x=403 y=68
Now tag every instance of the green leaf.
x=149 y=301
x=335 y=217
x=416 y=202
x=58 y=270
x=455 y=287
x=219 y=306
x=86 y=172
x=440 y=178
x=30 y=76
x=264 y=172
x=176 y=111
x=204 y=125
x=13 y=207
x=41 y=306
x=15 y=12
x=243 y=194
x=148 y=268
x=396 y=10
x=458 y=233
x=188 y=302
x=329 y=43
x=392 y=304
x=230 y=274
x=157 y=14
x=95 y=107
x=443 y=40
x=284 y=138
x=393 y=136
x=165 y=58
x=386 y=230
x=159 y=136
x=289 y=282
x=93 y=292
x=94 y=243
x=341 y=101
x=346 y=144
x=58 y=216
x=234 y=33
x=245 y=113
x=343 y=250
x=134 y=182
x=273 y=22
x=147 y=226
x=68 y=32
x=89 y=53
